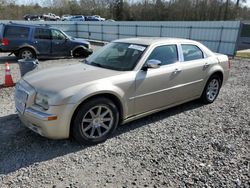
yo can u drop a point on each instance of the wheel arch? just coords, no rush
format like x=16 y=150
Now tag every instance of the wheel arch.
x=28 y=46
x=219 y=73
x=109 y=96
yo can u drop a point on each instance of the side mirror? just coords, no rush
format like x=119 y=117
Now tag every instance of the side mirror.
x=152 y=64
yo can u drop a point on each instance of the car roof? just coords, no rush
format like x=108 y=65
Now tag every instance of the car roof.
x=28 y=25
x=153 y=40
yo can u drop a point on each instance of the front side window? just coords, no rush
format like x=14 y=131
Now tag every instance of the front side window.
x=117 y=56
x=16 y=32
x=191 y=52
x=167 y=54
x=57 y=35
x=42 y=34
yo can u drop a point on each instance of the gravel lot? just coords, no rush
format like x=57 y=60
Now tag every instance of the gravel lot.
x=192 y=145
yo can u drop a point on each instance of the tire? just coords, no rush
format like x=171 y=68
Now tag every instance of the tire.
x=26 y=53
x=95 y=121
x=80 y=53
x=211 y=90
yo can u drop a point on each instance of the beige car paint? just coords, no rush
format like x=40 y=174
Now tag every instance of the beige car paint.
x=140 y=92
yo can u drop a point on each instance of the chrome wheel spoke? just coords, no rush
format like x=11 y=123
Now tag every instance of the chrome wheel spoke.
x=99 y=111
x=92 y=114
x=92 y=131
x=88 y=127
x=106 y=119
x=99 y=131
x=104 y=113
x=87 y=120
x=104 y=126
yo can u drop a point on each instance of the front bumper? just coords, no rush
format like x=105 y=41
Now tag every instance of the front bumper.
x=54 y=124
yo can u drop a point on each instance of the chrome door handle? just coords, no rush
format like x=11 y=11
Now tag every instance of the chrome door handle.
x=206 y=65
x=176 y=71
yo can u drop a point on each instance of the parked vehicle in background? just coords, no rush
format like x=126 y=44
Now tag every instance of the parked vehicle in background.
x=91 y=18
x=65 y=17
x=50 y=17
x=99 y=18
x=36 y=41
x=77 y=18
x=31 y=17
x=125 y=80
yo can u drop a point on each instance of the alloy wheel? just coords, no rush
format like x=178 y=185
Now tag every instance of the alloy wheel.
x=213 y=89
x=97 y=122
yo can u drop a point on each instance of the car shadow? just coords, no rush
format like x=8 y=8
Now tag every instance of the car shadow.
x=20 y=147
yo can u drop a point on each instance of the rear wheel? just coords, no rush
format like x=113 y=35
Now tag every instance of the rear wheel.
x=95 y=121
x=26 y=53
x=211 y=90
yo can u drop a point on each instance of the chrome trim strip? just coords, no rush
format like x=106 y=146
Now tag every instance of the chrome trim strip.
x=162 y=90
x=37 y=114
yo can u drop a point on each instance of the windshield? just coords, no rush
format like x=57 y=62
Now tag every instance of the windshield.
x=117 y=56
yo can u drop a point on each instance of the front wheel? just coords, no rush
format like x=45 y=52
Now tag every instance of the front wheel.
x=95 y=121
x=211 y=90
x=81 y=53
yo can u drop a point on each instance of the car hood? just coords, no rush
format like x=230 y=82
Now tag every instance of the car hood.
x=60 y=78
x=79 y=40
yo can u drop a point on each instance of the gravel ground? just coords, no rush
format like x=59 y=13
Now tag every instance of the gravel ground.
x=192 y=145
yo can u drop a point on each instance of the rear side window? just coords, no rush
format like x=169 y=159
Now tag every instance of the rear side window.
x=42 y=34
x=16 y=32
x=191 y=52
x=167 y=54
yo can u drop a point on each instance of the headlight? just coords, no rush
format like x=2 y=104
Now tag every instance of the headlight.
x=42 y=100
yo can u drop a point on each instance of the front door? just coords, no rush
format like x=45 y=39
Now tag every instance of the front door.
x=61 y=46
x=157 y=88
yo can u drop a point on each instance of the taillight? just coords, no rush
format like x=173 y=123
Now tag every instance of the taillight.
x=5 y=42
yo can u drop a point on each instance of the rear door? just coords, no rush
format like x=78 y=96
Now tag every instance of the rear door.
x=194 y=66
x=16 y=37
x=42 y=41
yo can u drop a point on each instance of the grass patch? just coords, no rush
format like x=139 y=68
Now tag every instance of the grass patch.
x=243 y=55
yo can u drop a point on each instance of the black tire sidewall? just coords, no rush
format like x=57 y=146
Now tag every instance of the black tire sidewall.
x=83 y=109
x=204 y=94
x=80 y=53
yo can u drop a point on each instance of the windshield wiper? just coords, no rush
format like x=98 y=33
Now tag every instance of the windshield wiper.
x=96 y=64
x=85 y=61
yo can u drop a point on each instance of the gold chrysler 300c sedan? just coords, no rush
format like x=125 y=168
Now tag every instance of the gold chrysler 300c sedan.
x=125 y=80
